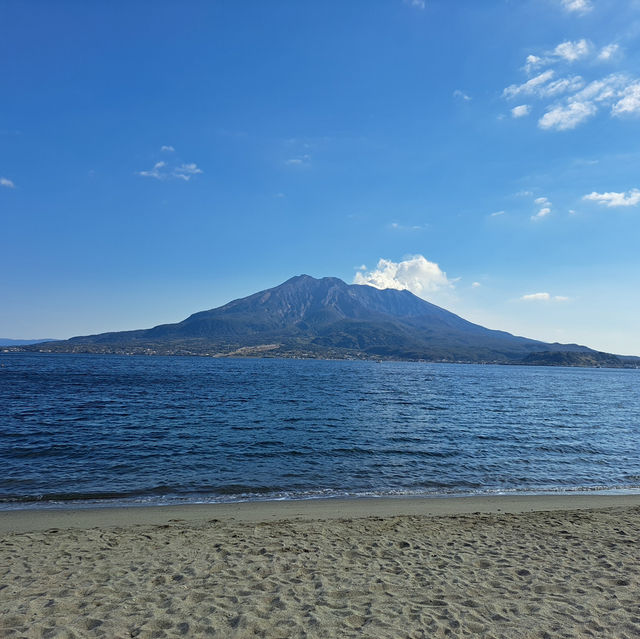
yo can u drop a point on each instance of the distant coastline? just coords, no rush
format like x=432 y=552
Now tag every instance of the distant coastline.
x=6 y=341
x=594 y=359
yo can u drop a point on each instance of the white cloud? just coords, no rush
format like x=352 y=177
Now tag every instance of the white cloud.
x=415 y=274
x=572 y=51
x=562 y=118
x=418 y=4
x=630 y=101
x=476 y=285
x=618 y=92
x=520 y=111
x=579 y=6
x=535 y=297
x=610 y=199
x=543 y=212
x=167 y=147
x=156 y=172
x=605 y=89
x=530 y=87
x=540 y=87
x=462 y=95
x=497 y=213
x=301 y=160
x=545 y=208
x=186 y=171
x=408 y=227
x=533 y=62
x=544 y=297
x=562 y=85
x=7 y=183
x=169 y=170
x=608 y=52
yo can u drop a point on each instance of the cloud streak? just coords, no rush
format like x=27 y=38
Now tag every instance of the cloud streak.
x=7 y=183
x=543 y=297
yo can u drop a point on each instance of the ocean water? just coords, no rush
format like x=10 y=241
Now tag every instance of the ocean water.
x=92 y=429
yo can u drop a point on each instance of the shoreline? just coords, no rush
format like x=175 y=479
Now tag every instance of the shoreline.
x=42 y=519
x=389 y=568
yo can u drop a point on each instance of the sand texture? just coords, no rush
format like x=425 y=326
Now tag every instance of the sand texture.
x=550 y=574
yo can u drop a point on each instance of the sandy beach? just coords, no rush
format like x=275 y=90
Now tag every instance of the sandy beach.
x=554 y=566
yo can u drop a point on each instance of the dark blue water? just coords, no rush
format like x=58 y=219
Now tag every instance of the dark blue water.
x=117 y=429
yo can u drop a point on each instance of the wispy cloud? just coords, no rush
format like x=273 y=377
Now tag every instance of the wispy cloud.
x=186 y=171
x=396 y=226
x=174 y=170
x=544 y=208
x=520 y=111
x=167 y=147
x=540 y=87
x=156 y=172
x=416 y=274
x=530 y=87
x=543 y=212
x=572 y=51
x=6 y=182
x=567 y=117
x=608 y=52
x=571 y=100
x=417 y=4
x=532 y=63
x=577 y=6
x=543 y=297
x=300 y=160
x=497 y=214
x=629 y=102
x=611 y=199
x=461 y=95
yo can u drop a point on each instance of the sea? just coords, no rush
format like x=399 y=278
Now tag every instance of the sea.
x=102 y=430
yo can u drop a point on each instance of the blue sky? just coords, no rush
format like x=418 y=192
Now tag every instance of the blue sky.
x=158 y=159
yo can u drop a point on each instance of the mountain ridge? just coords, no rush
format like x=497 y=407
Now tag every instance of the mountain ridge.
x=327 y=318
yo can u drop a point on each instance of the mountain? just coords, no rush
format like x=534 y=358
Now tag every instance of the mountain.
x=326 y=318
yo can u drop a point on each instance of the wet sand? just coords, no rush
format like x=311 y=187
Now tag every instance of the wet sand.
x=539 y=566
